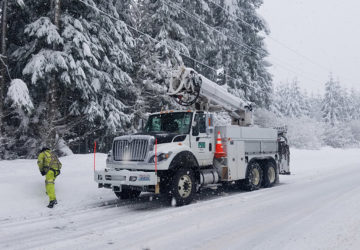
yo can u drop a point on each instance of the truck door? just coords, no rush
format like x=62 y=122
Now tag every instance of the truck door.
x=202 y=142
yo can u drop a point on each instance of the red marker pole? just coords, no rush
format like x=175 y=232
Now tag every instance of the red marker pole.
x=155 y=155
x=94 y=154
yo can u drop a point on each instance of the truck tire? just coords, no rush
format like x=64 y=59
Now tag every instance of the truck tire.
x=269 y=176
x=127 y=194
x=182 y=187
x=254 y=176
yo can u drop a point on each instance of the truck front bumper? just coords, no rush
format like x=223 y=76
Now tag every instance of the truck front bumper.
x=117 y=178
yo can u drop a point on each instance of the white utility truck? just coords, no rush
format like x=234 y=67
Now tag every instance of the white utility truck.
x=180 y=152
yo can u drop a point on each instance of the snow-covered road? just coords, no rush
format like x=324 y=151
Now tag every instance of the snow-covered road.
x=317 y=207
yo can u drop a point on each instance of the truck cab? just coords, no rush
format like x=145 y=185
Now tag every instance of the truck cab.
x=168 y=132
x=192 y=129
x=168 y=140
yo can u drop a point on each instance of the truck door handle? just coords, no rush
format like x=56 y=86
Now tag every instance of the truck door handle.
x=210 y=147
x=197 y=138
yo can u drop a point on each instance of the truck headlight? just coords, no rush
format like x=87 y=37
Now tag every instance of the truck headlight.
x=160 y=157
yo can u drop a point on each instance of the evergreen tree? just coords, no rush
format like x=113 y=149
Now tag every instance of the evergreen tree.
x=197 y=19
x=158 y=53
x=315 y=101
x=242 y=50
x=89 y=77
x=7 y=8
x=354 y=105
x=86 y=55
x=345 y=106
x=290 y=101
x=331 y=109
x=217 y=39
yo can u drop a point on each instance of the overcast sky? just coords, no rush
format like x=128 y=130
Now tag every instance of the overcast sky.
x=325 y=32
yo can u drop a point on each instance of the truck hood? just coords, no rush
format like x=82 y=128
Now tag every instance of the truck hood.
x=164 y=137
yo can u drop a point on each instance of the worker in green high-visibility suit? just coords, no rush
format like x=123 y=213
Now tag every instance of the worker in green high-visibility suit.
x=49 y=165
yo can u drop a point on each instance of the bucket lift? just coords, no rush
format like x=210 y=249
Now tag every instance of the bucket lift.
x=189 y=88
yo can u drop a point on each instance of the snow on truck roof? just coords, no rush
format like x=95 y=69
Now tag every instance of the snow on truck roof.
x=172 y=111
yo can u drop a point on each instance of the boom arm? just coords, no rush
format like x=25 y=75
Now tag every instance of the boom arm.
x=188 y=87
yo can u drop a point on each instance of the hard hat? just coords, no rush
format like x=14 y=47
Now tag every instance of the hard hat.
x=44 y=149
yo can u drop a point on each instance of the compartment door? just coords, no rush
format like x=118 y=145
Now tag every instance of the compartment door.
x=236 y=160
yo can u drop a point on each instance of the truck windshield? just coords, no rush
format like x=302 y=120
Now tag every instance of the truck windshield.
x=170 y=122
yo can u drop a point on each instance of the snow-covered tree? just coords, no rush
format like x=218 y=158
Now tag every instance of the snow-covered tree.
x=339 y=109
x=331 y=106
x=100 y=46
x=242 y=50
x=104 y=76
x=158 y=53
x=44 y=62
x=216 y=38
x=7 y=10
x=290 y=101
x=315 y=101
x=354 y=105
x=86 y=56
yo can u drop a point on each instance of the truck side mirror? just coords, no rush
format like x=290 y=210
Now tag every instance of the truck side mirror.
x=209 y=124
x=195 y=130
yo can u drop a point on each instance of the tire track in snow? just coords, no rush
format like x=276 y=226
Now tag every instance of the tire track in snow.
x=162 y=227
x=172 y=235
x=94 y=218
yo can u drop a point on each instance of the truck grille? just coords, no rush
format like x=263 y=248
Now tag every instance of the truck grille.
x=134 y=150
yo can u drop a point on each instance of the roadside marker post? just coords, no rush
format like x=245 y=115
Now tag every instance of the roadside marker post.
x=156 y=156
x=94 y=154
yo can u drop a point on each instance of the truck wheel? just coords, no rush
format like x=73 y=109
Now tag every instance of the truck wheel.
x=269 y=177
x=182 y=187
x=253 y=177
x=127 y=194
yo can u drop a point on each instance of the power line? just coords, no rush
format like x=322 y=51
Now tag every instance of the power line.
x=277 y=41
x=272 y=38
x=193 y=59
x=156 y=40
x=243 y=45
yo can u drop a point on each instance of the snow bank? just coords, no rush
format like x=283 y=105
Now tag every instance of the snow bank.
x=23 y=188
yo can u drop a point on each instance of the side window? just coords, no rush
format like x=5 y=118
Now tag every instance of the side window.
x=185 y=123
x=156 y=124
x=202 y=124
x=200 y=120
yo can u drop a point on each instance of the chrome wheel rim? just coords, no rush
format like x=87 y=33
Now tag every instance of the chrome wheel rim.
x=184 y=186
x=271 y=174
x=255 y=176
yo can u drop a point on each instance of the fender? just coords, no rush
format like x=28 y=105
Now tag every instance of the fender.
x=184 y=159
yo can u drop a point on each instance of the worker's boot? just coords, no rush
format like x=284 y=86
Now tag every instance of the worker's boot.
x=52 y=203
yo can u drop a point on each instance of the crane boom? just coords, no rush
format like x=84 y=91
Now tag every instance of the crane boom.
x=188 y=87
